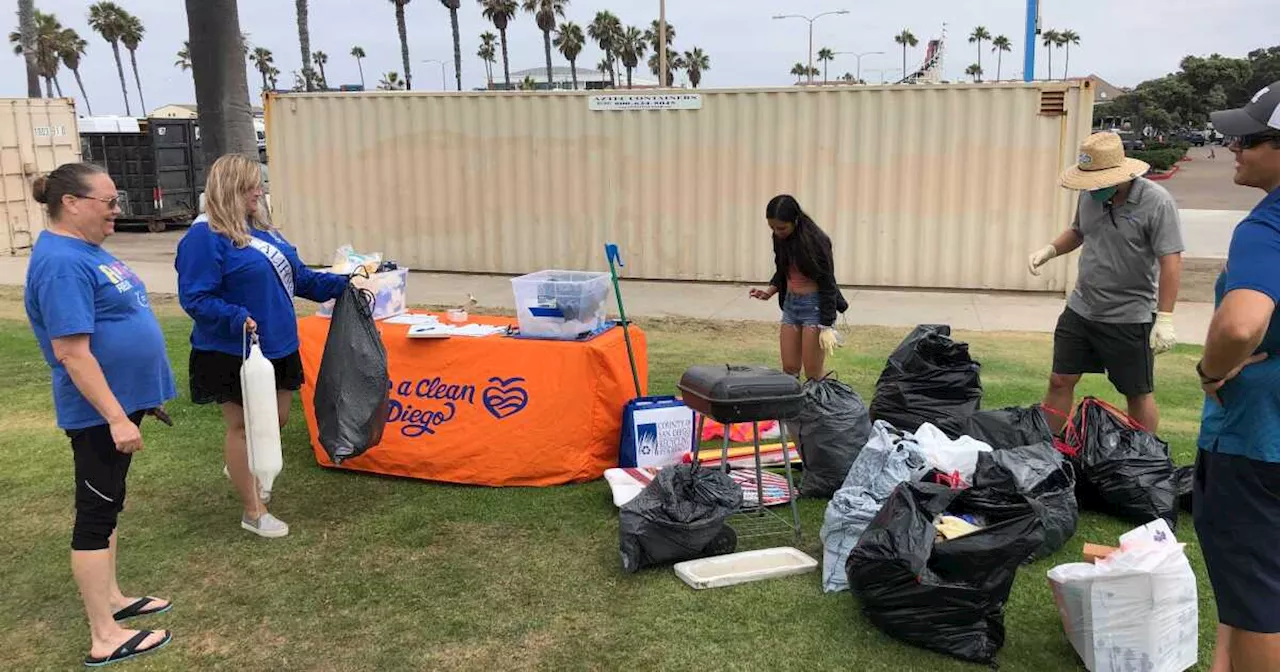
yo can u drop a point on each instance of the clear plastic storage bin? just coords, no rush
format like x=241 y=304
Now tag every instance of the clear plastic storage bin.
x=389 y=290
x=560 y=304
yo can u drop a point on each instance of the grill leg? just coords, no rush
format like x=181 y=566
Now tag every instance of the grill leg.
x=724 y=450
x=786 y=460
x=755 y=427
x=697 y=438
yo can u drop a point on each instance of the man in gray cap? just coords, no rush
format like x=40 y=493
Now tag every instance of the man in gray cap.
x=1114 y=322
x=1236 y=493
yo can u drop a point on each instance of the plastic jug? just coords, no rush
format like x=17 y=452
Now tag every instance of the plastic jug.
x=261 y=415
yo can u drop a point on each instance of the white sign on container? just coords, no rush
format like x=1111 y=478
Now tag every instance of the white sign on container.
x=646 y=101
x=49 y=131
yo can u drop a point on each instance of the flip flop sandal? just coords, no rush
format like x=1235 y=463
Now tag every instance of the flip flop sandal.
x=136 y=609
x=129 y=649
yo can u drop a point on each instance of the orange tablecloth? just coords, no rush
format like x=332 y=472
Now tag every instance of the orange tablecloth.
x=495 y=410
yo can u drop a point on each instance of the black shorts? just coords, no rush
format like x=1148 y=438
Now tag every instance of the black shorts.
x=1122 y=351
x=1237 y=509
x=100 y=472
x=215 y=376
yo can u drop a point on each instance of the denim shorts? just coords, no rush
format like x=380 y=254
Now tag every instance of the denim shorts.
x=802 y=310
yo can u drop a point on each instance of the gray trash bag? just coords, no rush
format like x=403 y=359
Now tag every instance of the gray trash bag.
x=834 y=425
x=681 y=515
x=1046 y=477
x=888 y=459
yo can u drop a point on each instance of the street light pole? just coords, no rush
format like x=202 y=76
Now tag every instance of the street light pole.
x=859 y=57
x=662 y=44
x=443 y=85
x=811 y=19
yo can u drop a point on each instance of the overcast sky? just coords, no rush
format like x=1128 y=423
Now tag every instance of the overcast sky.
x=1122 y=41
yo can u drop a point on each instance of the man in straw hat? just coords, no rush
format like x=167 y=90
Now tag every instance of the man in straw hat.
x=1237 y=479
x=1114 y=322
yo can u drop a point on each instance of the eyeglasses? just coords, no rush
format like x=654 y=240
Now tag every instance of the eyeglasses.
x=111 y=202
x=1254 y=139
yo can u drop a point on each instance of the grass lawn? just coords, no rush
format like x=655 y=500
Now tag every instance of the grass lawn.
x=382 y=573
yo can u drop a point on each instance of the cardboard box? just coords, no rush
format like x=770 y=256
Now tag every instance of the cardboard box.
x=1094 y=552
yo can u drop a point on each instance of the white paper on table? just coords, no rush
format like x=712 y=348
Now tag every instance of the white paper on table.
x=412 y=319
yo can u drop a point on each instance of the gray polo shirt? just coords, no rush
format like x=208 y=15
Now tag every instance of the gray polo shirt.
x=1119 y=263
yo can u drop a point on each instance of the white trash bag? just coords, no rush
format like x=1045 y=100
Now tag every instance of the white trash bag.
x=261 y=416
x=958 y=456
x=1136 y=609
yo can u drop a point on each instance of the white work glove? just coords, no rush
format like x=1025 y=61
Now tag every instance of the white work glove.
x=1162 y=337
x=1040 y=258
x=827 y=339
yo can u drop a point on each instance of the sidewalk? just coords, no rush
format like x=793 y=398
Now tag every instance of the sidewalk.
x=964 y=311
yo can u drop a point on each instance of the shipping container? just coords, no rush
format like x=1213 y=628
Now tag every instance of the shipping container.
x=36 y=136
x=930 y=186
x=157 y=166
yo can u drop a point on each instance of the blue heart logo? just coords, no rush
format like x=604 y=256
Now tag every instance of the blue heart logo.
x=504 y=398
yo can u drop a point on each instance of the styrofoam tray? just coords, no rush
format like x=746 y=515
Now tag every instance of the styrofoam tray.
x=735 y=568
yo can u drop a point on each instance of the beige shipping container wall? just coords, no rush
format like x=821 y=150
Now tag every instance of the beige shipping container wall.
x=36 y=136
x=918 y=186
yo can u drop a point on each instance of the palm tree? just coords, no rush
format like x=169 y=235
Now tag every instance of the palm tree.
x=1050 y=41
x=675 y=62
x=651 y=36
x=631 y=46
x=27 y=41
x=979 y=34
x=358 y=54
x=825 y=56
x=1000 y=45
x=501 y=13
x=606 y=30
x=1066 y=39
x=696 y=62
x=272 y=74
x=488 y=53
x=391 y=82
x=545 y=13
x=262 y=60
x=132 y=37
x=108 y=20
x=321 y=59
x=71 y=48
x=570 y=40
x=404 y=41
x=974 y=71
x=48 y=49
x=452 y=6
x=184 y=57
x=304 y=41
x=906 y=39
x=799 y=70
x=222 y=92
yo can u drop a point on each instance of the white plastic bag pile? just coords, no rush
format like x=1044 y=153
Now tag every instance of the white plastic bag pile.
x=1136 y=609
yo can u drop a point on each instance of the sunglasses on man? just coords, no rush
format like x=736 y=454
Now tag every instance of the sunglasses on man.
x=111 y=202
x=1254 y=139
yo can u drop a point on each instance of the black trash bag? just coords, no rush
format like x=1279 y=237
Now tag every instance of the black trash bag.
x=679 y=516
x=1186 y=477
x=1045 y=475
x=1004 y=428
x=834 y=426
x=353 y=389
x=1121 y=469
x=930 y=377
x=945 y=596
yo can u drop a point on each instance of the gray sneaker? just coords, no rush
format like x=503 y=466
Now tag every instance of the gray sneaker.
x=265 y=526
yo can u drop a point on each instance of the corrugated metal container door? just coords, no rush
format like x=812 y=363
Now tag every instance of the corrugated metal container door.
x=36 y=136
x=924 y=186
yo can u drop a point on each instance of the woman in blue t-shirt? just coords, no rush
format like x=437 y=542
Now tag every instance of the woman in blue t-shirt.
x=237 y=274
x=91 y=315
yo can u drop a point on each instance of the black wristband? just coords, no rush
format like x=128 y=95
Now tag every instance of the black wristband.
x=1204 y=378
